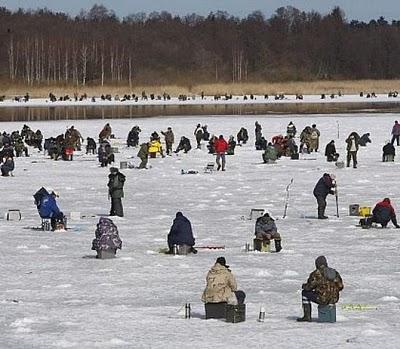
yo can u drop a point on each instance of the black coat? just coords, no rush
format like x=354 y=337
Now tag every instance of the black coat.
x=323 y=186
x=330 y=149
x=181 y=232
x=389 y=149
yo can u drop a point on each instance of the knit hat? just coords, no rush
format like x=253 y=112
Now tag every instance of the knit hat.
x=321 y=260
x=113 y=169
x=179 y=214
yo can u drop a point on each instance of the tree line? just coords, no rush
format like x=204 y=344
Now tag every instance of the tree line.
x=96 y=47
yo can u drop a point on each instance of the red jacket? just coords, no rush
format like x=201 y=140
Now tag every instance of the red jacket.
x=221 y=146
x=386 y=204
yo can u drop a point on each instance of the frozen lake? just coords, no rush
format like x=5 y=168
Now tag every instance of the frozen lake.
x=54 y=294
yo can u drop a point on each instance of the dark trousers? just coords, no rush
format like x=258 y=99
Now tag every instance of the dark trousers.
x=321 y=201
x=309 y=296
x=168 y=145
x=57 y=218
x=352 y=155
x=395 y=137
x=116 y=208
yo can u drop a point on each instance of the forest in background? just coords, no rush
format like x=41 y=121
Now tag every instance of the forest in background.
x=96 y=48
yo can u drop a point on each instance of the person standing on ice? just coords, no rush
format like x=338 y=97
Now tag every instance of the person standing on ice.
x=352 y=148
x=396 y=133
x=383 y=213
x=221 y=285
x=116 y=181
x=198 y=132
x=324 y=186
x=221 y=146
x=322 y=287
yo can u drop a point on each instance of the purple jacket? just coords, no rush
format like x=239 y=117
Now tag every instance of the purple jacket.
x=396 y=130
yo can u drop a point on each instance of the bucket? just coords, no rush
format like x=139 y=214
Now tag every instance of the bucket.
x=123 y=165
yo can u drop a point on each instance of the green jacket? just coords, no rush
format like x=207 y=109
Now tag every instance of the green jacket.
x=143 y=151
x=115 y=185
x=327 y=283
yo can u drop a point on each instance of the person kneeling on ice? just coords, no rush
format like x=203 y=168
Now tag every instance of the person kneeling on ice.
x=383 y=213
x=181 y=234
x=221 y=285
x=322 y=287
x=324 y=187
x=266 y=230
x=48 y=209
x=107 y=237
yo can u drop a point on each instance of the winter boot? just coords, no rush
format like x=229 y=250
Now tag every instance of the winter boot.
x=278 y=245
x=307 y=313
x=321 y=213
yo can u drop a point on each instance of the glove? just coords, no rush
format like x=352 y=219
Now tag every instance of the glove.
x=397 y=226
x=332 y=192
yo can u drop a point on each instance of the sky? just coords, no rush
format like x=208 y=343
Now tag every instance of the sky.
x=364 y=10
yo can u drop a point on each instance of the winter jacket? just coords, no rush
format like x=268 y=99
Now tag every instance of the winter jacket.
x=143 y=152
x=389 y=149
x=107 y=237
x=265 y=224
x=383 y=212
x=169 y=136
x=221 y=285
x=155 y=146
x=221 y=146
x=396 y=130
x=327 y=284
x=48 y=207
x=270 y=153
x=364 y=140
x=115 y=185
x=8 y=165
x=291 y=130
x=181 y=232
x=330 y=149
x=324 y=186
x=350 y=141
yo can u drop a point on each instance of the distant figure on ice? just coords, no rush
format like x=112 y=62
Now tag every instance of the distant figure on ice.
x=352 y=148
x=330 y=152
x=181 y=234
x=389 y=152
x=324 y=186
x=383 y=213
x=8 y=166
x=143 y=155
x=107 y=237
x=266 y=230
x=242 y=136
x=48 y=209
x=221 y=285
x=198 y=133
x=231 y=146
x=314 y=138
x=116 y=181
x=169 y=140
x=105 y=133
x=322 y=287
x=364 y=139
x=90 y=146
x=396 y=133
x=184 y=145
x=221 y=146
x=270 y=154
x=258 y=132
x=133 y=137
x=291 y=130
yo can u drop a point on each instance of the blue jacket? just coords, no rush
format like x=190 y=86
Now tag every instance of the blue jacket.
x=181 y=232
x=48 y=207
x=324 y=186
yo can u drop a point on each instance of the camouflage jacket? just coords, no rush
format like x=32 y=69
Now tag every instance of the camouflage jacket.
x=107 y=237
x=327 y=283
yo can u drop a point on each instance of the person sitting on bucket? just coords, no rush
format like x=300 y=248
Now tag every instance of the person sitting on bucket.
x=382 y=213
x=221 y=285
x=181 y=234
x=322 y=287
x=48 y=209
x=266 y=230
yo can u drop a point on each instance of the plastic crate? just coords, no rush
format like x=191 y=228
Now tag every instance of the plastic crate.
x=235 y=313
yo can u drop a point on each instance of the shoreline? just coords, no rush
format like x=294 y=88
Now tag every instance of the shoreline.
x=42 y=109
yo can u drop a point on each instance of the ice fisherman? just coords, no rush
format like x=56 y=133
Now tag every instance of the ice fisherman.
x=322 y=287
x=324 y=186
x=181 y=233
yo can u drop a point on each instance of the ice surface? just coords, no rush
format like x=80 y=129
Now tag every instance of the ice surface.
x=55 y=294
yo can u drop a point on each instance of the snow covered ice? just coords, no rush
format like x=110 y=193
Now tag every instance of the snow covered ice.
x=55 y=294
